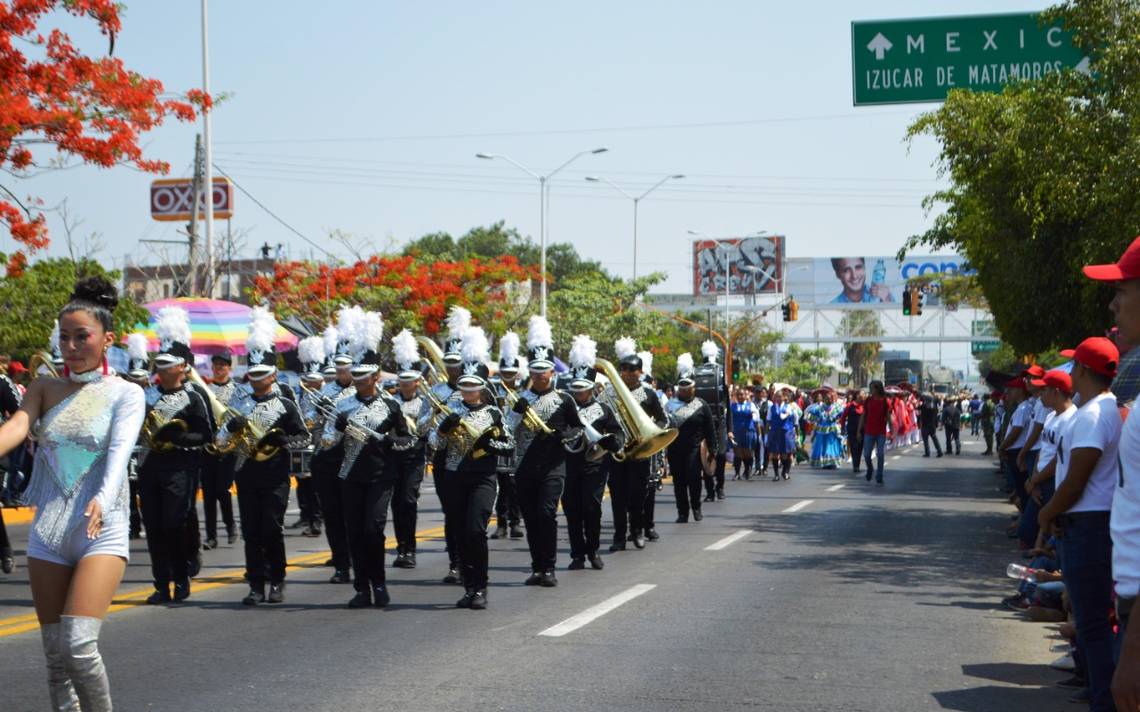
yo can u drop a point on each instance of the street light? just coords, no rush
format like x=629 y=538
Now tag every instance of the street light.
x=543 y=192
x=636 y=199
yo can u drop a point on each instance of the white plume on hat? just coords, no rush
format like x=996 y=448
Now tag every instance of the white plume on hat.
x=509 y=348
x=348 y=323
x=262 y=330
x=371 y=331
x=405 y=350
x=625 y=346
x=458 y=320
x=684 y=365
x=172 y=324
x=311 y=350
x=538 y=333
x=710 y=351
x=646 y=362
x=583 y=352
x=330 y=338
x=137 y=346
x=474 y=347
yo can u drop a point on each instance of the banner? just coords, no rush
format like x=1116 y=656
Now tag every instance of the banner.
x=752 y=264
x=876 y=282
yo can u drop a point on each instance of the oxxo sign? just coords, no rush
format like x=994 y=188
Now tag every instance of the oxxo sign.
x=170 y=199
x=920 y=60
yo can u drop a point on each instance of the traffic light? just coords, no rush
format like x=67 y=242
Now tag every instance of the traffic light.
x=787 y=309
x=795 y=309
x=907 y=303
x=916 y=302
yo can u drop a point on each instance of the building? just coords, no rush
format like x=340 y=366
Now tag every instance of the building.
x=149 y=283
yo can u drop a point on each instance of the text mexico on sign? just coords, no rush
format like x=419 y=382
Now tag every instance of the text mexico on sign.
x=920 y=60
x=171 y=198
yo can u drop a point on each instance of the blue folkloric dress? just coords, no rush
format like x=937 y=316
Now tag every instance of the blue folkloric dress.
x=744 y=424
x=826 y=444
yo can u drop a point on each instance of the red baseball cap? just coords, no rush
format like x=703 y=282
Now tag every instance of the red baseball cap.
x=1055 y=379
x=16 y=367
x=1096 y=353
x=1127 y=267
x=1034 y=371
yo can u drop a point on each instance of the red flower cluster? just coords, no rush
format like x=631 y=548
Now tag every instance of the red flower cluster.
x=91 y=108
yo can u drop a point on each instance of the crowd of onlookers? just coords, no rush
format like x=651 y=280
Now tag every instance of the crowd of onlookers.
x=1070 y=457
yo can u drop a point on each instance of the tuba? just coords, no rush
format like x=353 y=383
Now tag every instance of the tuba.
x=644 y=437
x=42 y=359
x=435 y=357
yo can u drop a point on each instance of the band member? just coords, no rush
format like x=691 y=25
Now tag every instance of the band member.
x=694 y=422
x=176 y=427
x=507 y=503
x=368 y=425
x=325 y=464
x=652 y=402
x=409 y=459
x=458 y=321
x=587 y=465
x=630 y=493
x=264 y=426
x=542 y=419
x=714 y=481
x=469 y=438
x=139 y=374
x=218 y=472
x=311 y=354
x=88 y=421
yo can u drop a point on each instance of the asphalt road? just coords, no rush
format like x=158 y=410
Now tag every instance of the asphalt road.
x=835 y=594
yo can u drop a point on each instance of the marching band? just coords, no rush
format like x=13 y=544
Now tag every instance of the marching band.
x=520 y=444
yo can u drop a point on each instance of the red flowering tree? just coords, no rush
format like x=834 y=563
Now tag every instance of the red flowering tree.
x=409 y=292
x=54 y=96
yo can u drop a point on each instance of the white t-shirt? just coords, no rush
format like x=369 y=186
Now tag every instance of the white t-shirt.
x=1021 y=418
x=1040 y=413
x=1126 y=512
x=1096 y=424
x=1051 y=435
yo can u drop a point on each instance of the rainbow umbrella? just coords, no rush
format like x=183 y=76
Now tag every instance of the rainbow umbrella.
x=215 y=325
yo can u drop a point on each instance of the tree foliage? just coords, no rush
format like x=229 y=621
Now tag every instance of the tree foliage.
x=861 y=356
x=803 y=368
x=40 y=292
x=54 y=97
x=1044 y=178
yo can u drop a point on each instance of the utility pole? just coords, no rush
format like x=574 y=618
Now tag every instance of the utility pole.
x=208 y=158
x=192 y=228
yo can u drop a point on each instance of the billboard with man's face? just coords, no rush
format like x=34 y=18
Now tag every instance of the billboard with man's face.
x=751 y=264
x=874 y=282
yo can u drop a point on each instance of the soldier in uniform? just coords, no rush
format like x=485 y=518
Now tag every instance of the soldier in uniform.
x=265 y=425
x=694 y=422
x=507 y=503
x=542 y=419
x=176 y=428
x=368 y=425
x=409 y=457
x=629 y=479
x=587 y=465
x=325 y=464
x=218 y=472
x=458 y=321
x=469 y=438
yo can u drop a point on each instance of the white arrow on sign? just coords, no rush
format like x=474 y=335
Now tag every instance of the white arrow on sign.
x=880 y=46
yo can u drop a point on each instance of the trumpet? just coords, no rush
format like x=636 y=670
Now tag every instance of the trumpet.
x=530 y=418
x=252 y=436
x=154 y=426
x=589 y=439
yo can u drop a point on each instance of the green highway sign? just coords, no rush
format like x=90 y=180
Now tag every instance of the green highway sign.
x=983 y=347
x=920 y=60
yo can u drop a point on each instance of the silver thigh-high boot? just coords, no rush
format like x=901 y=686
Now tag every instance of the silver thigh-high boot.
x=84 y=663
x=62 y=693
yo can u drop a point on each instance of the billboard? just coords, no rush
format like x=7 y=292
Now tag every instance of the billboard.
x=751 y=264
x=171 y=198
x=871 y=281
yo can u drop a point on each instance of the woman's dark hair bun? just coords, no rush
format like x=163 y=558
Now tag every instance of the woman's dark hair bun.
x=98 y=291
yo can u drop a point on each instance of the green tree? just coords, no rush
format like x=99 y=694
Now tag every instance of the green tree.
x=35 y=298
x=861 y=356
x=803 y=368
x=1044 y=178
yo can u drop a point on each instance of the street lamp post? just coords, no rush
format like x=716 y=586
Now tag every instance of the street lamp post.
x=543 y=182
x=636 y=199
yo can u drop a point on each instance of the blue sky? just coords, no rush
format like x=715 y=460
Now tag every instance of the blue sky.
x=358 y=116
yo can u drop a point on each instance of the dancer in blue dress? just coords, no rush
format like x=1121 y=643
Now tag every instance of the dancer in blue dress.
x=743 y=435
x=781 y=442
x=826 y=444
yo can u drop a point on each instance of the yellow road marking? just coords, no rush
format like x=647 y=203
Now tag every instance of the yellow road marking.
x=14 y=625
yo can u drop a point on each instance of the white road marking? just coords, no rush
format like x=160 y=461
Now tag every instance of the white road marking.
x=798 y=506
x=593 y=613
x=728 y=540
x=896 y=457
x=836 y=488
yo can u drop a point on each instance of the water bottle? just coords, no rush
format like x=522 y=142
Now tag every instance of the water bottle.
x=879 y=276
x=1024 y=573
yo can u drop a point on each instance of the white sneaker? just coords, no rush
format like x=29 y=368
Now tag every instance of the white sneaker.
x=1063 y=663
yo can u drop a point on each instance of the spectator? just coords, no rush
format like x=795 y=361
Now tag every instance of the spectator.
x=987 y=414
x=1056 y=392
x=928 y=422
x=975 y=413
x=952 y=425
x=874 y=429
x=1016 y=433
x=1086 y=476
x=852 y=421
